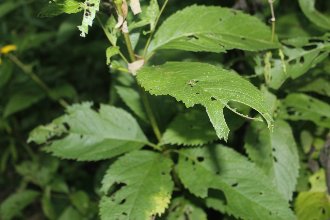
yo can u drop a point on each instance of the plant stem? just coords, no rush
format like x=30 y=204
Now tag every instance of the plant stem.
x=150 y=114
x=153 y=31
x=109 y=38
x=129 y=47
x=36 y=79
x=273 y=19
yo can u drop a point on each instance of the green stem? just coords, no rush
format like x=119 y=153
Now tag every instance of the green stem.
x=273 y=19
x=129 y=47
x=150 y=114
x=109 y=38
x=36 y=79
x=153 y=31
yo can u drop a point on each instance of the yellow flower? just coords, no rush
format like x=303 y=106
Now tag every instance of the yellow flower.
x=7 y=49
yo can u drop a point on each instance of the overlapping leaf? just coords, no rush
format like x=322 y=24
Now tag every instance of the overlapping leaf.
x=88 y=135
x=314 y=204
x=231 y=184
x=142 y=184
x=321 y=20
x=183 y=209
x=200 y=83
x=57 y=7
x=191 y=128
x=298 y=106
x=215 y=29
x=275 y=153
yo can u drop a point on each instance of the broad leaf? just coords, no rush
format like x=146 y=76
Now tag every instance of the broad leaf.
x=321 y=20
x=57 y=7
x=15 y=203
x=314 y=204
x=183 y=209
x=215 y=29
x=190 y=128
x=276 y=154
x=231 y=184
x=88 y=135
x=142 y=184
x=199 y=83
x=299 y=107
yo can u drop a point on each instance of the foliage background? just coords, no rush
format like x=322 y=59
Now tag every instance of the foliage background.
x=74 y=69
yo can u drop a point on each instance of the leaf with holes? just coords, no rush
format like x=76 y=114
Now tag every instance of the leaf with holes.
x=314 y=204
x=183 y=209
x=84 y=134
x=57 y=7
x=227 y=180
x=321 y=20
x=200 y=83
x=90 y=9
x=276 y=154
x=140 y=186
x=190 y=128
x=298 y=106
x=214 y=29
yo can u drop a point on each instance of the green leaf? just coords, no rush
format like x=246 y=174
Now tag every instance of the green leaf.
x=214 y=29
x=6 y=70
x=297 y=107
x=57 y=7
x=15 y=203
x=23 y=99
x=142 y=186
x=321 y=20
x=88 y=135
x=314 y=204
x=200 y=83
x=70 y=214
x=276 y=154
x=132 y=99
x=182 y=209
x=231 y=184
x=8 y=6
x=80 y=200
x=90 y=9
x=191 y=128
x=110 y=52
x=148 y=16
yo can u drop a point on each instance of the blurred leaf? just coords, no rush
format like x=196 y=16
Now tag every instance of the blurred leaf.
x=57 y=7
x=200 y=83
x=15 y=203
x=321 y=20
x=314 y=204
x=23 y=99
x=183 y=209
x=80 y=200
x=190 y=128
x=70 y=214
x=110 y=52
x=91 y=135
x=298 y=106
x=47 y=205
x=6 y=70
x=132 y=99
x=8 y=6
x=143 y=186
x=232 y=181
x=275 y=153
x=215 y=29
